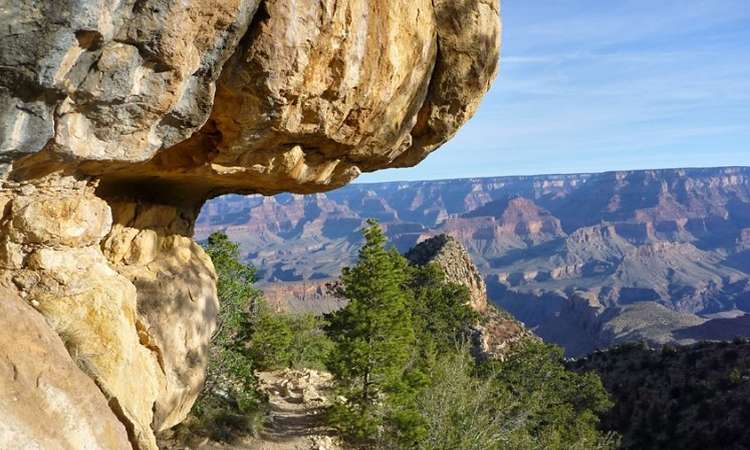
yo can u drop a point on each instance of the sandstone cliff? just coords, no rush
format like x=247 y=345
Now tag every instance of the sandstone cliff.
x=118 y=119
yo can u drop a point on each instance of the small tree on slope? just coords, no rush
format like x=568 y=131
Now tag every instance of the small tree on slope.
x=374 y=341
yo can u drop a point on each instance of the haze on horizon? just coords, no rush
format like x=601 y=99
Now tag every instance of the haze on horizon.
x=592 y=86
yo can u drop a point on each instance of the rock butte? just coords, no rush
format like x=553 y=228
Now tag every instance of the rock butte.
x=497 y=332
x=118 y=119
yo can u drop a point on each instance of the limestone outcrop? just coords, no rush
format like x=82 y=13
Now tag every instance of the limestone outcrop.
x=52 y=230
x=497 y=330
x=151 y=246
x=118 y=119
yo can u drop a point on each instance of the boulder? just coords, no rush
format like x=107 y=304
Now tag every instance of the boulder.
x=202 y=98
x=46 y=401
x=176 y=295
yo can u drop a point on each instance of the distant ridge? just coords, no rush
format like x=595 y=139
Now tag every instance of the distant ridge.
x=585 y=260
x=556 y=175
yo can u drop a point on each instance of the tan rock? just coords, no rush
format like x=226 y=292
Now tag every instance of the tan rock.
x=11 y=254
x=50 y=252
x=144 y=342
x=469 y=41
x=177 y=301
x=46 y=402
x=340 y=86
x=54 y=220
x=315 y=94
x=93 y=309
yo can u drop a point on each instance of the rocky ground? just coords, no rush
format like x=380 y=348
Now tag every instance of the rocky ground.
x=296 y=404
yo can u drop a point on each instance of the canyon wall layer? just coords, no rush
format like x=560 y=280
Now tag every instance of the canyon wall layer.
x=118 y=119
x=584 y=260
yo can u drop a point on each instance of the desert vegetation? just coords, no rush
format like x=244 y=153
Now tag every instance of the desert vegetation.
x=677 y=397
x=400 y=355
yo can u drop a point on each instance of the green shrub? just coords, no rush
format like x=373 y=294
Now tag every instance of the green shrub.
x=464 y=411
x=560 y=408
x=310 y=346
x=230 y=399
x=269 y=340
x=407 y=380
x=374 y=343
x=398 y=351
x=284 y=340
x=440 y=311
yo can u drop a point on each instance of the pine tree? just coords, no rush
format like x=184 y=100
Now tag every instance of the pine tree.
x=373 y=335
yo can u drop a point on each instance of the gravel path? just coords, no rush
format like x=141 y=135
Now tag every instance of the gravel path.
x=297 y=401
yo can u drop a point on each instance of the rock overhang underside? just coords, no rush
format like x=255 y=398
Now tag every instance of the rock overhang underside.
x=205 y=97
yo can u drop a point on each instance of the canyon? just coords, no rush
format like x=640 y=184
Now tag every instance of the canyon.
x=119 y=119
x=584 y=260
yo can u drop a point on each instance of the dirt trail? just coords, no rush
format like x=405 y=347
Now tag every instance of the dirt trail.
x=297 y=401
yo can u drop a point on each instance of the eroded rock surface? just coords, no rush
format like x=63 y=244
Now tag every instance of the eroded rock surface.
x=52 y=229
x=452 y=257
x=118 y=119
x=314 y=93
x=111 y=80
x=176 y=295
x=46 y=401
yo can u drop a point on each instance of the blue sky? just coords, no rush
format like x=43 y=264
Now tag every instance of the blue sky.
x=596 y=85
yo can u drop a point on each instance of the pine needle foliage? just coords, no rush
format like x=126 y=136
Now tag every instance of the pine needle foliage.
x=374 y=341
x=408 y=381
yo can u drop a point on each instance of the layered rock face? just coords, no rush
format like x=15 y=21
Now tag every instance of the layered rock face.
x=452 y=257
x=118 y=119
x=584 y=260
